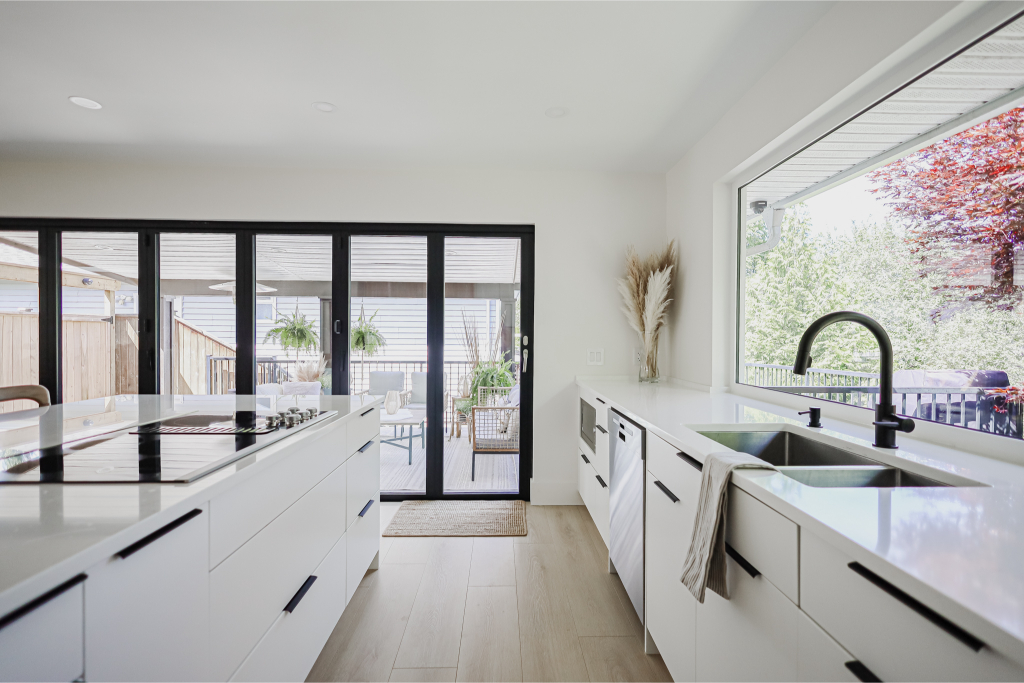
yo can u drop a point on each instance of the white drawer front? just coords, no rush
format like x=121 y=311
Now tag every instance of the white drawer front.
x=601 y=457
x=289 y=649
x=891 y=639
x=46 y=643
x=752 y=636
x=671 y=610
x=821 y=657
x=250 y=588
x=239 y=513
x=362 y=427
x=363 y=479
x=765 y=539
x=363 y=545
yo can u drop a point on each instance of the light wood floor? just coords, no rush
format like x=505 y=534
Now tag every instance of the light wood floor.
x=537 y=608
x=494 y=473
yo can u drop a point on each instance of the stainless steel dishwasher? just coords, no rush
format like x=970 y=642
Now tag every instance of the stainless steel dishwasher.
x=626 y=551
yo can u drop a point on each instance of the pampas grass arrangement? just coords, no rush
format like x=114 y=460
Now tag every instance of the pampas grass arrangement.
x=645 y=291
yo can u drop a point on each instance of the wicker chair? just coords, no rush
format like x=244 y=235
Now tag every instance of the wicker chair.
x=495 y=424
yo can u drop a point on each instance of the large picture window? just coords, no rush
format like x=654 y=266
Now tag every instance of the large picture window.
x=911 y=213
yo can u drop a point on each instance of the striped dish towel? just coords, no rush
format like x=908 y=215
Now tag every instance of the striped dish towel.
x=704 y=566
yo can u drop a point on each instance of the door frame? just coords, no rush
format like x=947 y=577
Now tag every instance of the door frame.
x=49 y=231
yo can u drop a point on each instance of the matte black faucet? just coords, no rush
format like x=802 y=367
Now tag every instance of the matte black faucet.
x=887 y=423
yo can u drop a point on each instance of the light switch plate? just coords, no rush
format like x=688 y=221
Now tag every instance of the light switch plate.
x=595 y=356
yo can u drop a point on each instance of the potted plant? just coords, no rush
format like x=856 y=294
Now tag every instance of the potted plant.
x=295 y=331
x=366 y=338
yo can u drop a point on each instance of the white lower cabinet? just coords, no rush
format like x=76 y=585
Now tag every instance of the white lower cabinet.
x=43 y=639
x=753 y=636
x=894 y=635
x=821 y=658
x=363 y=545
x=594 y=491
x=671 y=610
x=249 y=589
x=289 y=649
x=146 y=606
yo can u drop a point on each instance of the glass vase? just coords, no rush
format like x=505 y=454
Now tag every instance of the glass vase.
x=649 y=365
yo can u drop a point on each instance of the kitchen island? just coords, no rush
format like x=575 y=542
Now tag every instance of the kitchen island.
x=239 y=572
x=915 y=582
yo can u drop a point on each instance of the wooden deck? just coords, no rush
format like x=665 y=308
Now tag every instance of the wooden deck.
x=494 y=473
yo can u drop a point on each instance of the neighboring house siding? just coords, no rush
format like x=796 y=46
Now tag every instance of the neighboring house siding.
x=214 y=315
x=74 y=300
x=403 y=322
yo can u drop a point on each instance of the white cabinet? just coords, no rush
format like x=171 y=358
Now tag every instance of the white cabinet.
x=753 y=636
x=671 y=610
x=291 y=645
x=250 y=588
x=362 y=427
x=821 y=658
x=891 y=632
x=765 y=539
x=363 y=545
x=594 y=491
x=43 y=639
x=146 y=606
x=363 y=479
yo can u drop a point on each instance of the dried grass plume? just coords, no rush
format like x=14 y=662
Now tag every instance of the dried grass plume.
x=645 y=290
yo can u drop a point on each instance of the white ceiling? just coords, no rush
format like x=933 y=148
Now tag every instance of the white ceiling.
x=416 y=84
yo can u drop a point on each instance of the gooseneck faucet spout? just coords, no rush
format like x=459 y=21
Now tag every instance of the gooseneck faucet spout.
x=887 y=423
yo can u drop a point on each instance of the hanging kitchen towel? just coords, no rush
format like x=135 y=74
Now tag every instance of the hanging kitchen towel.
x=704 y=566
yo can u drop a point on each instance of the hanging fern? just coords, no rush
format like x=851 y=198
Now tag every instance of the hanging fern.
x=295 y=332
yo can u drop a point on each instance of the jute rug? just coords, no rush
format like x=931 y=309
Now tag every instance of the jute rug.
x=459 y=518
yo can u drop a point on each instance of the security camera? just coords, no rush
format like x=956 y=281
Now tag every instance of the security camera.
x=758 y=206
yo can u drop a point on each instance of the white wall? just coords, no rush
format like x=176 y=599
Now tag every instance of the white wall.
x=584 y=222
x=856 y=54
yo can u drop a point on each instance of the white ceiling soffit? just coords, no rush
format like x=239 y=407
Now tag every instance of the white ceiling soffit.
x=980 y=82
x=190 y=256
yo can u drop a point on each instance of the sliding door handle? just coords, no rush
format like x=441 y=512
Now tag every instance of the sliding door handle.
x=664 y=489
x=526 y=359
x=337 y=327
x=924 y=610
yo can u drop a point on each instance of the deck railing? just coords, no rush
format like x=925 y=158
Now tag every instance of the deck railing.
x=969 y=407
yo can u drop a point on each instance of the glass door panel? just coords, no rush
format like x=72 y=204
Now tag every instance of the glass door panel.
x=481 y=361
x=19 y=313
x=388 y=332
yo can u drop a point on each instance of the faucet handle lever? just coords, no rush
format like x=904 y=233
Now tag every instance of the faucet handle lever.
x=900 y=424
x=815 y=419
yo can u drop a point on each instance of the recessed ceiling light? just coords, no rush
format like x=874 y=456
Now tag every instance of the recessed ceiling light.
x=86 y=102
x=325 y=107
x=556 y=112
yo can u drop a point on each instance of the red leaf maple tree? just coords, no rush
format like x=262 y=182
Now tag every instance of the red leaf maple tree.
x=964 y=193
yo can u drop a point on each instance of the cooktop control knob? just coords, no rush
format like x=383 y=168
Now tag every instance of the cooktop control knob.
x=294 y=410
x=271 y=421
x=291 y=420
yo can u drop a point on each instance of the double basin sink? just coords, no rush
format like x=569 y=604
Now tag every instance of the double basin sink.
x=816 y=463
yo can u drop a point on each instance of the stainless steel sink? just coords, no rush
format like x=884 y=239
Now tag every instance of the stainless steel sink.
x=785 y=449
x=817 y=464
x=877 y=476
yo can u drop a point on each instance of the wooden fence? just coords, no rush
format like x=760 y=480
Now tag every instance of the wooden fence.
x=191 y=347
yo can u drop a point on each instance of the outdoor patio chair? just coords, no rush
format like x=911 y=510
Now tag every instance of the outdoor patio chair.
x=495 y=426
x=26 y=392
x=417 y=399
x=381 y=382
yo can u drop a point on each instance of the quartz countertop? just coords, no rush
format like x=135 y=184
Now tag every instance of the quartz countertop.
x=959 y=549
x=50 y=532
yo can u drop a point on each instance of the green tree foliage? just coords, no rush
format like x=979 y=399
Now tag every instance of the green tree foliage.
x=295 y=331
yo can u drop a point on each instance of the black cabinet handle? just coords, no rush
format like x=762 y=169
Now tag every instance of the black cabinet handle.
x=692 y=462
x=601 y=481
x=601 y=429
x=741 y=561
x=599 y=400
x=366 y=446
x=365 y=508
x=162 y=531
x=664 y=489
x=584 y=458
x=36 y=603
x=297 y=598
x=919 y=607
x=862 y=672
x=366 y=413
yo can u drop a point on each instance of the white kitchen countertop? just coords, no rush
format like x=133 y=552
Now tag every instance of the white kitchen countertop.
x=51 y=532
x=958 y=549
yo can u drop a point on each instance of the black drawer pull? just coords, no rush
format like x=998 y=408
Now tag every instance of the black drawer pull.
x=297 y=598
x=602 y=429
x=862 y=672
x=664 y=489
x=599 y=400
x=365 y=508
x=919 y=607
x=366 y=413
x=162 y=531
x=34 y=604
x=584 y=458
x=366 y=446
x=601 y=481
x=741 y=561
x=692 y=462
